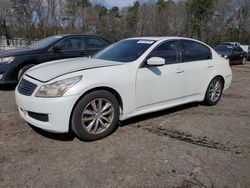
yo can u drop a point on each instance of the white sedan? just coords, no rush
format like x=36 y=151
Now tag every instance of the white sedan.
x=129 y=78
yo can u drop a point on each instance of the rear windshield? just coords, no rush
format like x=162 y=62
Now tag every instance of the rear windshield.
x=223 y=48
x=125 y=51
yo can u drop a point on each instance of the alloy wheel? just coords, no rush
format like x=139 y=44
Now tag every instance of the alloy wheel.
x=97 y=116
x=215 y=89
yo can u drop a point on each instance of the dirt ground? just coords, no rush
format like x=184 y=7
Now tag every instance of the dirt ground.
x=188 y=146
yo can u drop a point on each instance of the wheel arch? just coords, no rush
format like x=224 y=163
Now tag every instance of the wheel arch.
x=221 y=77
x=209 y=81
x=25 y=63
x=105 y=88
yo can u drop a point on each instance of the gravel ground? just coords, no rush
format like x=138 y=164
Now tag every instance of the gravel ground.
x=188 y=146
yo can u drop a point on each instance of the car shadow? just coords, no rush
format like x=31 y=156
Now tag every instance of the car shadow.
x=157 y=114
x=70 y=136
x=8 y=87
x=55 y=136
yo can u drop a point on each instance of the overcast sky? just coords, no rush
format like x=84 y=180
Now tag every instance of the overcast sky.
x=122 y=3
x=118 y=3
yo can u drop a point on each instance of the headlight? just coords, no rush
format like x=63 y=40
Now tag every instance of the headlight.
x=57 y=89
x=226 y=56
x=6 y=60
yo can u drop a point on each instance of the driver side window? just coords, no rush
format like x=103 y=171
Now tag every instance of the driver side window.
x=170 y=51
x=73 y=43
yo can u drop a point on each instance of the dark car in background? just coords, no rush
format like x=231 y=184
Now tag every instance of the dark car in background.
x=246 y=48
x=13 y=63
x=235 y=54
x=248 y=53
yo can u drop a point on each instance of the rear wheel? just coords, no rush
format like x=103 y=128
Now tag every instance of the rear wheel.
x=214 y=91
x=95 y=116
x=23 y=70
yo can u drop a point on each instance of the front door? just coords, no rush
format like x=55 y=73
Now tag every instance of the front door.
x=157 y=85
x=68 y=48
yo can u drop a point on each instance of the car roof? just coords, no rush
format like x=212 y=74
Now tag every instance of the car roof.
x=159 y=38
x=66 y=35
x=83 y=35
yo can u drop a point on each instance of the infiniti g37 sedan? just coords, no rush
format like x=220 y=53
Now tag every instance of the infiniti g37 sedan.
x=129 y=78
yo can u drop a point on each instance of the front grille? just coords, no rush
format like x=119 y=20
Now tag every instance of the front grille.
x=26 y=87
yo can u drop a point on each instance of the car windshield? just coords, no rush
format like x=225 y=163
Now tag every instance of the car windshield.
x=45 y=42
x=124 y=51
x=224 y=48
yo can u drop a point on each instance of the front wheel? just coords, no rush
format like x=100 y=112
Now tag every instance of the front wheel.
x=244 y=60
x=23 y=70
x=95 y=116
x=214 y=92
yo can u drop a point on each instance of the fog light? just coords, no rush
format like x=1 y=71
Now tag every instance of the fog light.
x=1 y=76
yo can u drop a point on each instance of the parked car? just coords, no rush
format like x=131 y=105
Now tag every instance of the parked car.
x=13 y=63
x=235 y=54
x=248 y=53
x=246 y=48
x=129 y=78
x=231 y=43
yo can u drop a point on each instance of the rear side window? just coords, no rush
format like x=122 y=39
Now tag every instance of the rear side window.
x=94 y=43
x=170 y=51
x=194 y=51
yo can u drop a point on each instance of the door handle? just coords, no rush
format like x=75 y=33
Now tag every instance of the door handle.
x=179 y=71
x=210 y=65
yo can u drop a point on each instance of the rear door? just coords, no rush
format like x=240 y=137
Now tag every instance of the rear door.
x=92 y=45
x=198 y=65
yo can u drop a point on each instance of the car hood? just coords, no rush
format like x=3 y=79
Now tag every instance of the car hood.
x=16 y=52
x=49 y=71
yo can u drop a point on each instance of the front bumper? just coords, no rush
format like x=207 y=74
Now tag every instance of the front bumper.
x=57 y=110
x=6 y=75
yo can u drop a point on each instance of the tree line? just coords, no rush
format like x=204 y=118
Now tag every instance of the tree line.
x=211 y=21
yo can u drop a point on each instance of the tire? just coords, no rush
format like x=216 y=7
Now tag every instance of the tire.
x=244 y=60
x=214 y=92
x=23 y=70
x=93 y=120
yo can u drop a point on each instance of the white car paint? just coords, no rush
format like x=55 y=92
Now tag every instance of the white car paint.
x=141 y=90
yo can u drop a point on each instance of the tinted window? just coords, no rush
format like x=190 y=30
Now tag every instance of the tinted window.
x=194 y=51
x=91 y=43
x=223 y=48
x=169 y=51
x=239 y=49
x=73 y=43
x=234 y=49
x=125 y=51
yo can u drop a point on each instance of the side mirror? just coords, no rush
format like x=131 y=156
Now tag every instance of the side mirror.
x=56 y=49
x=156 y=61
